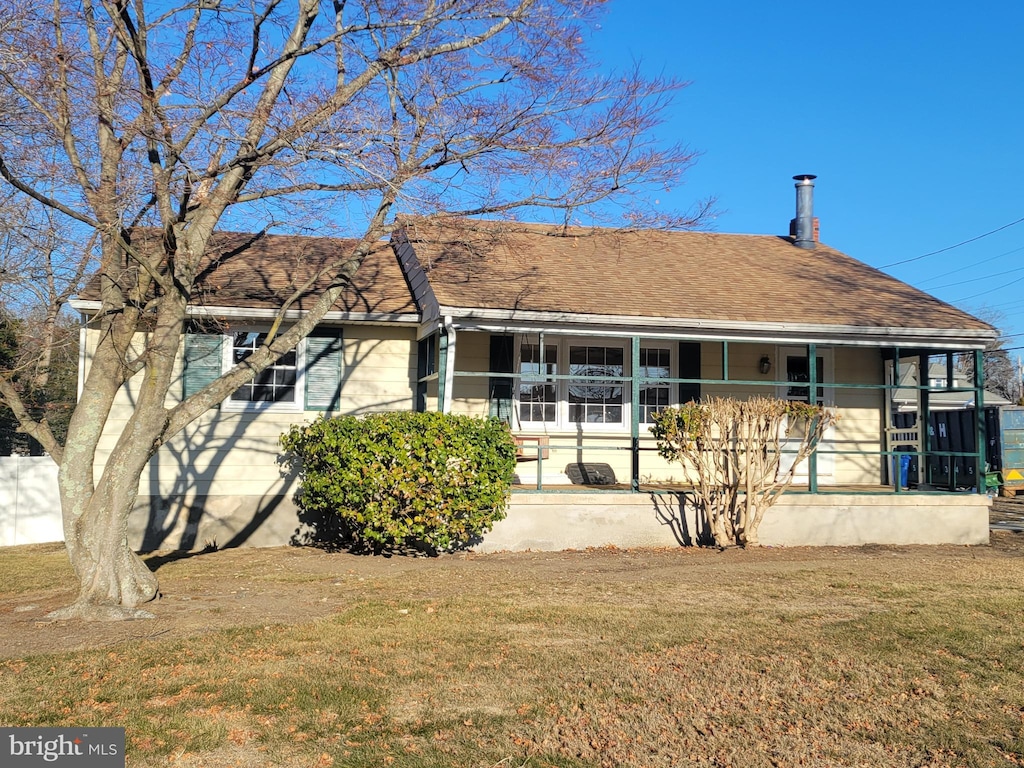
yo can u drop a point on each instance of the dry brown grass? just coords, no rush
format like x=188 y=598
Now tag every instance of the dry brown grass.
x=860 y=657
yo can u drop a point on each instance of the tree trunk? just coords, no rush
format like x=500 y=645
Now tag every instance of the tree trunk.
x=113 y=579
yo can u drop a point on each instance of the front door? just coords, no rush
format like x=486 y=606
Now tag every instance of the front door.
x=794 y=365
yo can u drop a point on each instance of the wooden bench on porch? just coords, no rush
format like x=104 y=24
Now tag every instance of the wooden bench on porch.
x=531 y=447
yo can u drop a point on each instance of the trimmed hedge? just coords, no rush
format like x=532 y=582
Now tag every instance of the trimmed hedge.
x=432 y=482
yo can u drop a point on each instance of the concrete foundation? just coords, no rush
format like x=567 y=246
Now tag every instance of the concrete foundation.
x=555 y=521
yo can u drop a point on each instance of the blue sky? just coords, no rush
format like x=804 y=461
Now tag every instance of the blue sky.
x=910 y=113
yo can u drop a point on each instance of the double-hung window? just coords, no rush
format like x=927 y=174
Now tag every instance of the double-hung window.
x=308 y=377
x=655 y=363
x=274 y=384
x=538 y=402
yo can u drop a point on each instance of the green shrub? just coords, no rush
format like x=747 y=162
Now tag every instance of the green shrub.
x=427 y=481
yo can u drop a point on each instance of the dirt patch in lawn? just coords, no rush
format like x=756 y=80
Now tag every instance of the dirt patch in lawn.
x=204 y=592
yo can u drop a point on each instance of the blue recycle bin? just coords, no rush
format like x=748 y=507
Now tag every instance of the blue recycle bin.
x=901 y=464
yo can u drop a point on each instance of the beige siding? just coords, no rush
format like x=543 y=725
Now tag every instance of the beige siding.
x=472 y=354
x=236 y=454
x=226 y=453
x=860 y=415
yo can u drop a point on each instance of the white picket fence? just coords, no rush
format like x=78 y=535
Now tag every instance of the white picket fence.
x=29 y=503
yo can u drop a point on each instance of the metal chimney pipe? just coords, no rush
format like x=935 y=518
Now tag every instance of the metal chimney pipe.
x=804 y=211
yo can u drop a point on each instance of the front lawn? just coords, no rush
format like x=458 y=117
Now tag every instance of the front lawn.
x=839 y=657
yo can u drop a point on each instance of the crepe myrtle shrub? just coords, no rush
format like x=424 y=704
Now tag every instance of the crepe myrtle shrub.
x=427 y=482
x=731 y=450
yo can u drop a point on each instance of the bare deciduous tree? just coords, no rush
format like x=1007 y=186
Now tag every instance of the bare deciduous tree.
x=1001 y=374
x=731 y=452
x=188 y=117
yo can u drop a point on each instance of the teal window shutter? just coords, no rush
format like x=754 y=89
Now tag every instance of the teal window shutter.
x=202 y=362
x=324 y=364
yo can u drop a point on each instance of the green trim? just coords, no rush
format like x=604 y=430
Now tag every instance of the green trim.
x=634 y=409
x=979 y=419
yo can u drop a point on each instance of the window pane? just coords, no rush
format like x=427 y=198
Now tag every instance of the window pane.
x=274 y=384
x=797 y=370
x=655 y=363
x=536 y=392
x=262 y=393
x=594 y=401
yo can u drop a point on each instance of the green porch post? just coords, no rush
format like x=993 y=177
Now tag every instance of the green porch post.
x=979 y=418
x=812 y=376
x=895 y=461
x=634 y=410
x=924 y=417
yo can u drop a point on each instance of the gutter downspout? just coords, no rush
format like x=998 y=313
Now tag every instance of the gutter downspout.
x=447 y=378
x=82 y=326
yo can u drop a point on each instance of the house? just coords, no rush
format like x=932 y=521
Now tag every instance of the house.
x=575 y=336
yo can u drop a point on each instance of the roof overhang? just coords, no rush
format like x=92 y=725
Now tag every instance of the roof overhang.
x=254 y=314
x=519 y=321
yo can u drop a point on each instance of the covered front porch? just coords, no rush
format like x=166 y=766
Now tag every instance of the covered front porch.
x=589 y=473
x=581 y=404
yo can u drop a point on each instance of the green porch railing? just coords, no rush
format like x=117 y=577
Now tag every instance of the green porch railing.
x=634 y=440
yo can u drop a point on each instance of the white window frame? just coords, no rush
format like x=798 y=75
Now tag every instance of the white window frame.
x=246 y=406
x=562 y=423
x=597 y=426
x=673 y=389
x=537 y=377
